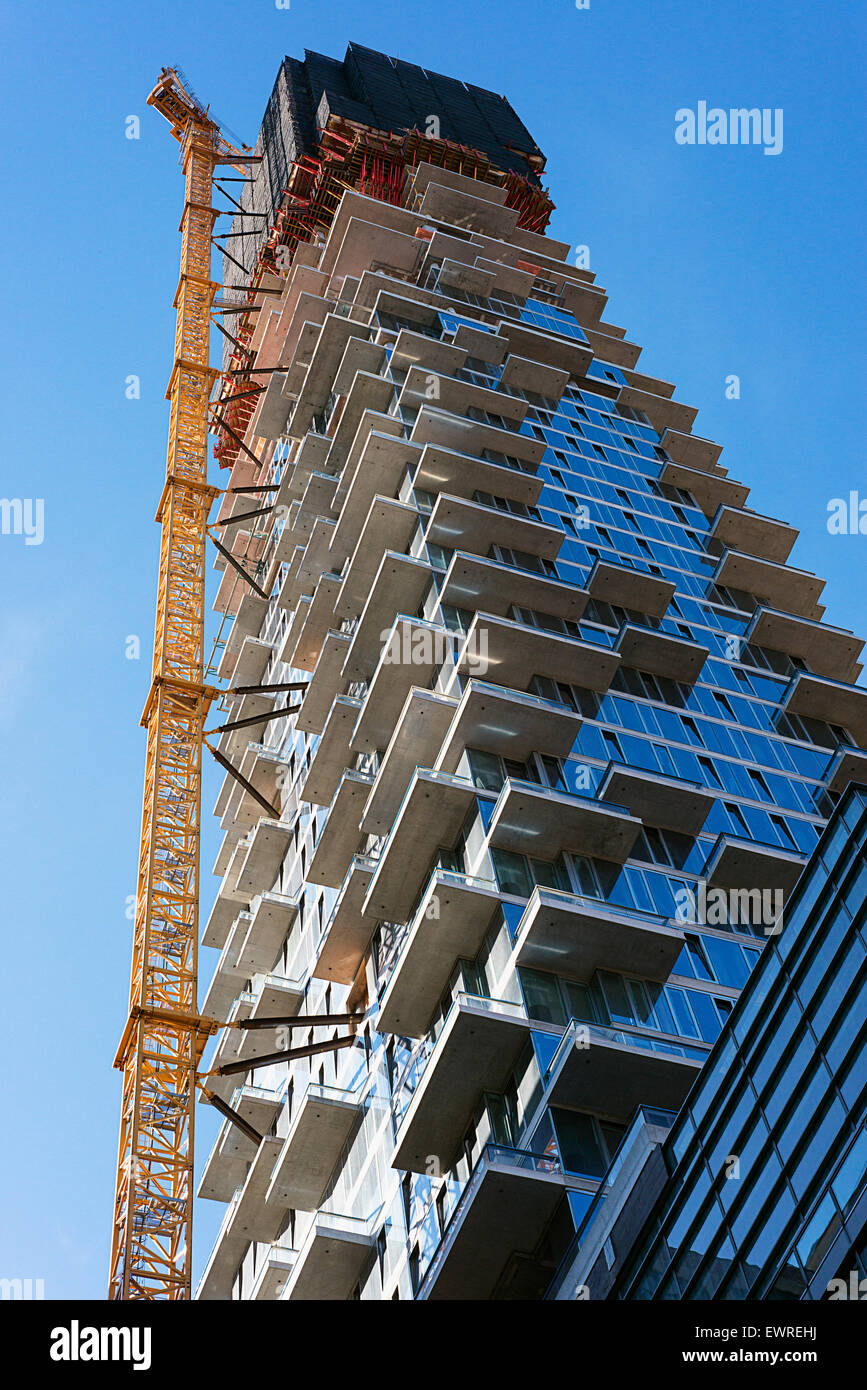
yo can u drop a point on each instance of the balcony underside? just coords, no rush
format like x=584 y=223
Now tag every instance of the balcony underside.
x=513 y=653
x=508 y=722
x=613 y=1079
x=734 y=863
x=544 y=823
x=572 y=936
x=486 y=586
x=666 y=802
x=317 y=1134
x=828 y=651
x=431 y=817
x=633 y=589
x=415 y=743
x=661 y=653
x=348 y=932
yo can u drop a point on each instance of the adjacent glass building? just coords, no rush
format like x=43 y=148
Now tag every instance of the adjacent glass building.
x=765 y=1193
x=569 y=726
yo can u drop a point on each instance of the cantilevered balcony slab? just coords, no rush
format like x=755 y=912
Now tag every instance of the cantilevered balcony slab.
x=736 y=863
x=710 y=490
x=691 y=450
x=451 y=922
x=828 y=651
x=460 y=475
x=318 y=1130
x=381 y=466
x=262 y=857
x=348 y=932
x=531 y=819
x=319 y=618
x=399 y=587
x=462 y=525
x=231 y=1153
x=661 y=653
x=247 y=667
x=273 y=996
x=509 y=653
x=667 y=802
x=630 y=588
x=833 y=702
x=662 y=412
x=333 y=337
x=332 y=753
x=413 y=349
x=753 y=533
x=504 y=1209
x=476 y=1051
x=272 y=1274
x=613 y=1071
x=488 y=586
x=845 y=766
x=262 y=768
x=430 y=818
x=564 y=354
x=528 y=375
x=331 y=1258
x=389 y=526
x=509 y=722
x=271 y=916
x=574 y=936
x=416 y=742
x=435 y=426
x=458 y=396
x=326 y=682
x=780 y=586
x=341 y=834
x=248 y=620
x=253 y=1217
x=411 y=655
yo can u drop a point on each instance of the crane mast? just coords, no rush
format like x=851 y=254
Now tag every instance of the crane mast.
x=164 y=1036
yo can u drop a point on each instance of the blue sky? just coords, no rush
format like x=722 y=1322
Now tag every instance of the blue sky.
x=719 y=260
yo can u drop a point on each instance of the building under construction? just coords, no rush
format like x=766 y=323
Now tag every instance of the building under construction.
x=513 y=674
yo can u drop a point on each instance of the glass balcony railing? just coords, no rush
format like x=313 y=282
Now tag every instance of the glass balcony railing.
x=624 y=1037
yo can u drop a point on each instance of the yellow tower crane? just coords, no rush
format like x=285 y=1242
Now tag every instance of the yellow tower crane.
x=164 y=1035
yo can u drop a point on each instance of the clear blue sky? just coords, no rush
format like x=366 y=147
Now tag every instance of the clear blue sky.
x=717 y=260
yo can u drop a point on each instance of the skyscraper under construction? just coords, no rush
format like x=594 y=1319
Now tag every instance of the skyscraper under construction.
x=558 y=693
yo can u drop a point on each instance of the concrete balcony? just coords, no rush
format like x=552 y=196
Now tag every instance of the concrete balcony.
x=224 y=1169
x=532 y=819
x=509 y=722
x=271 y=916
x=523 y=374
x=253 y=1217
x=399 y=587
x=332 y=753
x=458 y=396
x=753 y=533
x=416 y=742
x=635 y=590
x=322 y=1122
x=575 y=936
x=745 y=864
x=671 y=803
x=614 y=1070
x=325 y=684
x=513 y=653
x=710 y=490
x=564 y=354
x=476 y=1051
x=662 y=412
x=832 y=702
x=414 y=650
x=348 y=932
x=779 y=586
x=262 y=767
x=434 y=426
x=661 y=653
x=505 y=1208
x=272 y=1275
x=450 y=923
x=246 y=667
x=389 y=525
x=691 y=450
x=228 y=978
x=324 y=362
x=487 y=586
x=462 y=525
x=846 y=765
x=331 y=1258
x=413 y=349
x=430 y=818
x=828 y=651
x=261 y=856
x=317 y=621
x=341 y=833
x=461 y=475
x=381 y=466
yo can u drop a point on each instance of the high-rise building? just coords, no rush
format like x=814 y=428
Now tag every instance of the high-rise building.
x=568 y=724
x=761 y=1184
